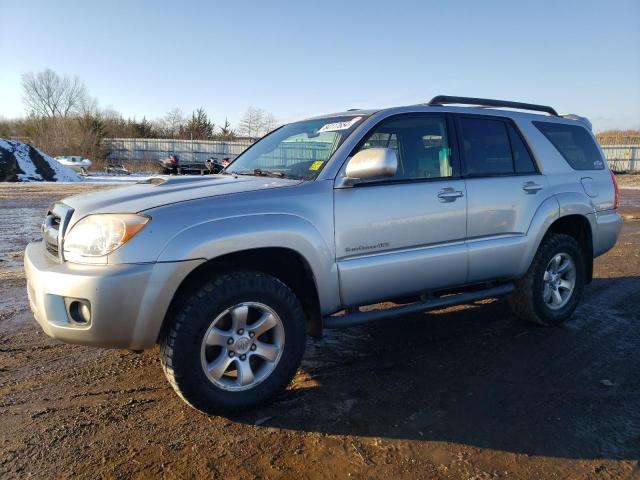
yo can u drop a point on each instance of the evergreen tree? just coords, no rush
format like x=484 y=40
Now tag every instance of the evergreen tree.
x=226 y=132
x=143 y=128
x=199 y=127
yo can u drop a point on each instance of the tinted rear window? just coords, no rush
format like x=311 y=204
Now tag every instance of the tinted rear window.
x=486 y=146
x=574 y=143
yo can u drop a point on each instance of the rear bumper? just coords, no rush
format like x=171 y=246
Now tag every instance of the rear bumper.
x=128 y=302
x=608 y=225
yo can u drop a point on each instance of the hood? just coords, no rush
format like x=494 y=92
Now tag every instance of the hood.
x=159 y=191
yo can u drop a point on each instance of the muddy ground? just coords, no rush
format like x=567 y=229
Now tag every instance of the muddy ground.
x=468 y=393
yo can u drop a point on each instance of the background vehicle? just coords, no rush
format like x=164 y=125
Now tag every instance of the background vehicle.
x=216 y=165
x=116 y=169
x=425 y=206
x=169 y=165
x=75 y=162
x=174 y=165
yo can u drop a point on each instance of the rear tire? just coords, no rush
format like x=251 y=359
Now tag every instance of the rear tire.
x=550 y=291
x=216 y=353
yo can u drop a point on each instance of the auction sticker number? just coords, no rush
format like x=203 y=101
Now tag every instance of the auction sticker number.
x=333 y=127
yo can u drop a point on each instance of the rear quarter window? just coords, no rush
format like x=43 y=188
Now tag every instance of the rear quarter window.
x=574 y=143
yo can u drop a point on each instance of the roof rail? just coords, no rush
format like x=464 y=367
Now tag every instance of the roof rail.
x=486 y=102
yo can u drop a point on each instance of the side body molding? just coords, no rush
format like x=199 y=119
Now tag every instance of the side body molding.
x=214 y=238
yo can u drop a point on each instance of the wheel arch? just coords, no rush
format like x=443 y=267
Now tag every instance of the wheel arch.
x=286 y=264
x=568 y=213
x=579 y=227
x=216 y=238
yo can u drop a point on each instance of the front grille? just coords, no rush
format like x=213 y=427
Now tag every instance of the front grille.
x=54 y=226
x=50 y=233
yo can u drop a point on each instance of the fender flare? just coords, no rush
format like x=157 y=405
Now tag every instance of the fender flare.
x=218 y=237
x=547 y=213
x=552 y=209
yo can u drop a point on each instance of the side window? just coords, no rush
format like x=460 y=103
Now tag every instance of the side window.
x=421 y=144
x=382 y=140
x=486 y=146
x=574 y=143
x=521 y=157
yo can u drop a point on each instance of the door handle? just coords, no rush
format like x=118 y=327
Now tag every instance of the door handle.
x=449 y=194
x=531 y=187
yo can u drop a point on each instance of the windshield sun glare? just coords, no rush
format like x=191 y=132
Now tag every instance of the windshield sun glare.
x=296 y=150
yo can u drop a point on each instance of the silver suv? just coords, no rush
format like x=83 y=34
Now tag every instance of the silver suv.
x=424 y=206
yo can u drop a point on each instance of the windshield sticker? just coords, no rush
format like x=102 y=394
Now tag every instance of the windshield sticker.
x=333 y=127
x=316 y=165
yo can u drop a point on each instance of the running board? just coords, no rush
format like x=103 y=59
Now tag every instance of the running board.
x=358 y=318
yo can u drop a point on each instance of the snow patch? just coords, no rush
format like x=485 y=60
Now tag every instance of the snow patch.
x=21 y=152
x=62 y=173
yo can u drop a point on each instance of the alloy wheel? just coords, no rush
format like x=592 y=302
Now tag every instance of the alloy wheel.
x=242 y=346
x=559 y=281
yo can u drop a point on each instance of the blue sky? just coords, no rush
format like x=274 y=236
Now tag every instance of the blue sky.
x=303 y=58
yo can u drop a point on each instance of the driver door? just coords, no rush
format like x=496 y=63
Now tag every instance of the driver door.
x=405 y=234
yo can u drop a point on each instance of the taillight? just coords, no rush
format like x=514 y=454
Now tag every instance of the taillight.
x=616 y=199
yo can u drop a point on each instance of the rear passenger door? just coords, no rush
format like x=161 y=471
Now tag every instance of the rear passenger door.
x=504 y=191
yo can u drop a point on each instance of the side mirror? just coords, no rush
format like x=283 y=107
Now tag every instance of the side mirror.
x=372 y=163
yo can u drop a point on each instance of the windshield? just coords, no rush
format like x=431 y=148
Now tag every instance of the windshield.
x=298 y=150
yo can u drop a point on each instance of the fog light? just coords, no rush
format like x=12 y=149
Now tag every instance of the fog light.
x=79 y=310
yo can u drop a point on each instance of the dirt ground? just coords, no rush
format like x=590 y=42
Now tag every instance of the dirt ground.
x=467 y=393
x=629 y=180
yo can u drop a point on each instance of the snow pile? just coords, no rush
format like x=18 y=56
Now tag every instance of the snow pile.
x=20 y=162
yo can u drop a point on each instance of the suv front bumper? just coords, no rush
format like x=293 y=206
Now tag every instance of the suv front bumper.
x=128 y=302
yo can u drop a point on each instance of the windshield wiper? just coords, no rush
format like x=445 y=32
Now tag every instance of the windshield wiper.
x=258 y=172
x=269 y=173
x=244 y=172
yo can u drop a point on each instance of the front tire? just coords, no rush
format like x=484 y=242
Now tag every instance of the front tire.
x=550 y=291
x=235 y=343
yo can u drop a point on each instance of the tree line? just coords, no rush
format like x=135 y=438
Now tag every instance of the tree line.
x=64 y=119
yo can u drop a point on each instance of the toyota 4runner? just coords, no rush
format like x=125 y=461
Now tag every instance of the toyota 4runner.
x=425 y=206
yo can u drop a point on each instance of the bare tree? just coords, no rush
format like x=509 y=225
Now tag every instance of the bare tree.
x=174 y=122
x=251 y=122
x=88 y=106
x=47 y=94
x=256 y=122
x=270 y=123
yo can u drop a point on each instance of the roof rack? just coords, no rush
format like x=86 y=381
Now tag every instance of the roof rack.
x=486 y=102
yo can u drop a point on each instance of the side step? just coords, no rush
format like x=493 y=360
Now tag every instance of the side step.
x=358 y=318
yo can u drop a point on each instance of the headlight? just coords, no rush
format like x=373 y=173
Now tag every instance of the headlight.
x=100 y=234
